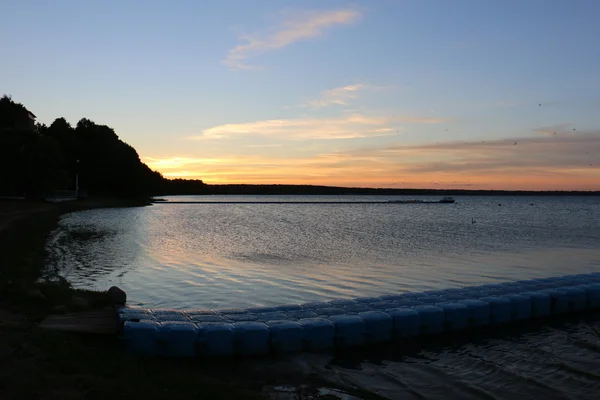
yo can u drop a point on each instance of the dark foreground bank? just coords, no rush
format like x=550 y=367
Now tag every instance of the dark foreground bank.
x=42 y=364
x=36 y=363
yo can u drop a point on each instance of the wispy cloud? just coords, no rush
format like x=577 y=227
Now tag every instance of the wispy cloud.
x=567 y=162
x=345 y=127
x=562 y=154
x=304 y=26
x=339 y=96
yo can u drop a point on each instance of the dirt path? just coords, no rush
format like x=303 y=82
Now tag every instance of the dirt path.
x=11 y=211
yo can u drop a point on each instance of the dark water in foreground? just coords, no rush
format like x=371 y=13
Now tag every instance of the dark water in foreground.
x=558 y=359
x=239 y=255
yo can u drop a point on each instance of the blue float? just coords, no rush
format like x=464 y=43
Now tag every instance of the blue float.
x=318 y=333
x=251 y=338
x=405 y=322
x=430 y=299
x=329 y=311
x=289 y=307
x=357 y=308
x=500 y=309
x=431 y=319
x=349 y=330
x=479 y=312
x=300 y=314
x=541 y=303
x=520 y=307
x=316 y=304
x=382 y=305
x=378 y=326
x=198 y=318
x=341 y=302
x=142 y=337
x=345 y=323
x=271 y=316
x=592 y=295
x=286 y=336
x=368 y=299
x=241 y=317
x=170 y=316
x=215 y=338
x=456 y=316
x=177 y=339
x=559 y=300
x=577 y=298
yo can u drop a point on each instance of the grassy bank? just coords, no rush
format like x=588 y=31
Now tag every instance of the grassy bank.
x=36 y=363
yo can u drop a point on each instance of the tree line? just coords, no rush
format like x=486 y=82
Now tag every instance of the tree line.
x=36 y=159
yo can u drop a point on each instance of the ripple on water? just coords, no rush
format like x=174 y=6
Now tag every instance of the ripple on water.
x=234 y=255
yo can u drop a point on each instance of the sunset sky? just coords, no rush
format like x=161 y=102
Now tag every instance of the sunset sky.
x=389 y=93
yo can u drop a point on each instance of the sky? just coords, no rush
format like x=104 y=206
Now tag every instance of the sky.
x=389 y=93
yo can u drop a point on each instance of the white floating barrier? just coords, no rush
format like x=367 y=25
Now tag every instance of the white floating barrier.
x=215 y=338
x=251 y=338
x=349 y=330
x=378 y=326
x=318 y=333
x=456 y=316
x=405 y=322
x=177 y=339
x=286 y=336
x=431 y=319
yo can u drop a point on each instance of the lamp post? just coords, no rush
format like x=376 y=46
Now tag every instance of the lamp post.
x=77 y=180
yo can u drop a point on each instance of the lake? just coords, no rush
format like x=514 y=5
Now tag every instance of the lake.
x=238 y=255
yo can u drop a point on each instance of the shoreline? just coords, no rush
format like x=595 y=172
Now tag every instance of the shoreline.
x=39 y=363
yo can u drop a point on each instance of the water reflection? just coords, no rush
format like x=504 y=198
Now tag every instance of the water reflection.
x=187 y=256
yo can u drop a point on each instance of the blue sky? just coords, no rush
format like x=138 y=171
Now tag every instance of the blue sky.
x=362 y=93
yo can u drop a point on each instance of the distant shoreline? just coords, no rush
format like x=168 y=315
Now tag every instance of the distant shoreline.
x=297 y=190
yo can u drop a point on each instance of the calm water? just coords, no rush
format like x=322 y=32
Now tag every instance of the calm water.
x=234 y=255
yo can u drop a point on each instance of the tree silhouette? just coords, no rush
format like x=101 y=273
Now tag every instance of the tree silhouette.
x=36 y=160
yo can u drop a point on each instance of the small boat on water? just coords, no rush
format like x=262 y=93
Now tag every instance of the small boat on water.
x=446 y=200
